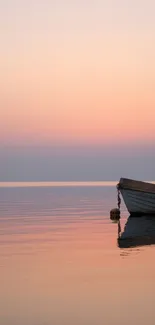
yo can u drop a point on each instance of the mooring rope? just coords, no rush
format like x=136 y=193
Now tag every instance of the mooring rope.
x=118 y=198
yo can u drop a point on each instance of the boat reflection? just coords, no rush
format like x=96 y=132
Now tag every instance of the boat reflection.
x=138 y=231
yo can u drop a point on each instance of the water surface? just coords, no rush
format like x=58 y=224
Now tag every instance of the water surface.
x=60 y=262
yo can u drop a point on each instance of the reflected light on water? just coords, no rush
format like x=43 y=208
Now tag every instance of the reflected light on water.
x=60 y=262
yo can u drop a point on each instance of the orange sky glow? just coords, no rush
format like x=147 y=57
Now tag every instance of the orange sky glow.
x=74 y=75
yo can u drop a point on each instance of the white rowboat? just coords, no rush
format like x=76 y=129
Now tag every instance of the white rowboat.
x=139 y=197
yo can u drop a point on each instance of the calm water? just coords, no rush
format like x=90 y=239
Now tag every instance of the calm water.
x=60 y=262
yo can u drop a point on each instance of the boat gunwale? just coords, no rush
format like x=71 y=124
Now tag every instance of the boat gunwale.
x=122 y=187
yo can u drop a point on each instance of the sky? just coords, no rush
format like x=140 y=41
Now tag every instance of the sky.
x=77 y=87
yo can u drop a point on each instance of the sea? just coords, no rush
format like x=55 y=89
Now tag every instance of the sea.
x=61 y=261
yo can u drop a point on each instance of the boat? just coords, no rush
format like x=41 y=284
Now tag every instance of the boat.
x=138 y=196
x=138 y=232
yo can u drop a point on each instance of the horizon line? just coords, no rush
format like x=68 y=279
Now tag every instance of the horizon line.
x=16 y=184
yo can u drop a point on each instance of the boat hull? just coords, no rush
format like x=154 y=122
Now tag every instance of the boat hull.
x=138 y=202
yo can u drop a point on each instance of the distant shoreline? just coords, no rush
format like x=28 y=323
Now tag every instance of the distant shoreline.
x=59 y=184
x=56 y=184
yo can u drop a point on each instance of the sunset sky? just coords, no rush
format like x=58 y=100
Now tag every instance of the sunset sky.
x=76 y=74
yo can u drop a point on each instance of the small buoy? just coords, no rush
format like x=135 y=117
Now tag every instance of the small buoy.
x=115 y=214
